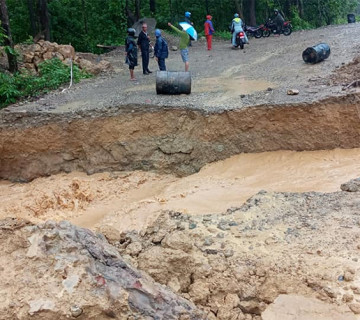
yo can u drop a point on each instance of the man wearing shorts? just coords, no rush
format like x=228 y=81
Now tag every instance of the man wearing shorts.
x=183 y=46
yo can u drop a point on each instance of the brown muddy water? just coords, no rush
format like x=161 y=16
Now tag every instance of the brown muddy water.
x=131 y=200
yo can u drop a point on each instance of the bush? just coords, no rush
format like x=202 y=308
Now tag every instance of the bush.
x=52 y=74
x=297 y=22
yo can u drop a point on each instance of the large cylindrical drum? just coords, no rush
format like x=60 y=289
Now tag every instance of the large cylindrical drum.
x=316 y=53
x=351 y=18
x=173 y=82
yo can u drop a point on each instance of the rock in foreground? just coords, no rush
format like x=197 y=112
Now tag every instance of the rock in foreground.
x=59 y=271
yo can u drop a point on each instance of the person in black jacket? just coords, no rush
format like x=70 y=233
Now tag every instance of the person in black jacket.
x=131 y=52
x=278 y=20
x=144 y=45
x=161 y=50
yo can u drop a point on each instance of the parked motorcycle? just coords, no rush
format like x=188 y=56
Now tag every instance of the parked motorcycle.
x=240 y=40
x=271 y=28
x=256 y=32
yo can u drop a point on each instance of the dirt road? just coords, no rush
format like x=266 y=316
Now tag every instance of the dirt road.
x=223 y=78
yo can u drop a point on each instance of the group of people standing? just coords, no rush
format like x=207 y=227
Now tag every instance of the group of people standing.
x=161 y=51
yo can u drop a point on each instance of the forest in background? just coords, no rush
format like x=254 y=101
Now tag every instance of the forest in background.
x=86 y=23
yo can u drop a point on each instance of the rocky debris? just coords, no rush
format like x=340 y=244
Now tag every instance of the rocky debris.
x=347 y=73
x=351 y=186
x=33 y=55
x=235 y=264
x=57 y=270
x=293 y=307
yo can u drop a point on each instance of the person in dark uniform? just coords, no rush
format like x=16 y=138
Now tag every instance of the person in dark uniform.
x=131 y=52
x=278 y=20
x=144 y=45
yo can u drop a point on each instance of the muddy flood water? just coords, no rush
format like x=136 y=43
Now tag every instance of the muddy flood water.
x=130 y=200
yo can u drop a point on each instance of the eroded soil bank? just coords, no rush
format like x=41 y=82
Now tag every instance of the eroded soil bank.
x=168 y=140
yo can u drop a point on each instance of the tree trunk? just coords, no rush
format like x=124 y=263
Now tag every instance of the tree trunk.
x=153 y=6
x=32 y=17
x=83 y=5
x=239 y=7
x=252 y=13
x=137 y=9
x=4 y=17
x=45 y=19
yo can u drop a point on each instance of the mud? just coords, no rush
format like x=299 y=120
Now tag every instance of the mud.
x=180 y=219
x=176 y=141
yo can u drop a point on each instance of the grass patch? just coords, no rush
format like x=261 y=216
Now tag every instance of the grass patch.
x=52 y=74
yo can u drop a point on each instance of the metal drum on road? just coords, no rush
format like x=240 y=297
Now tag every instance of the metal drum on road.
x=316 y=53
x=173 y=82
x=351 y=18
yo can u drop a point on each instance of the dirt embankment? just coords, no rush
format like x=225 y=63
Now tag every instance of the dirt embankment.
x=168 y=140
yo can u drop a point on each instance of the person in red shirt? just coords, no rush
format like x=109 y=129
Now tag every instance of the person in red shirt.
x=209 y=30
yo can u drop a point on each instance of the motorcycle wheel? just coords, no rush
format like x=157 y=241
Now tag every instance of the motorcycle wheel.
x=241 y=45
x=258 y=34
x=266 y=33
x=287 y=31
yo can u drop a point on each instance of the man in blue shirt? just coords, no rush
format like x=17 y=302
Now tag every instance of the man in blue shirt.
x=161 y=50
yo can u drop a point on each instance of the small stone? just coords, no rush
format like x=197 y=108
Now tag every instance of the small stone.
x=192 y=225
x=208 y=241
x=228 y=253
x=233 y=223
x=330 y=292
x=211 y=251
x=347 y=297
x=355 y=307
x=293 y=92
x=348 y=276
x=223 y=226
x=174 y=48
x=76 y=311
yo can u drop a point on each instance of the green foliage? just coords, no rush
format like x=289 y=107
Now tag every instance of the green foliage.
x=52 y=74
x=226 y=35
x=86 y=23
x=297 y=22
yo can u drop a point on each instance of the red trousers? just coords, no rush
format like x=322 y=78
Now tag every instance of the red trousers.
x=209 y=41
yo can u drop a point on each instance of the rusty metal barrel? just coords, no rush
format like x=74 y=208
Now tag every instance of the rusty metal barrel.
x=351 y=18
x=316 y=53
x=173 y=82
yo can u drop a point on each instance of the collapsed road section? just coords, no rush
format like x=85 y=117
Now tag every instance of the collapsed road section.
x=168 y=140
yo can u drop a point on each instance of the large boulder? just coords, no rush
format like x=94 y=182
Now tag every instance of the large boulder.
x=66 y=51
x=59 y=271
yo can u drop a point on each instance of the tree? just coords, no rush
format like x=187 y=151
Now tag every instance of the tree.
x=30 y=4
x=152 y=6
x=252 y=13
x=45 y=19
x=9 y=46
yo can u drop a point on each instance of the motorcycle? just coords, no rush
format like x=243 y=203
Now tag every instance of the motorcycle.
x=240 y=40
x=271 y=28
x=256 y=32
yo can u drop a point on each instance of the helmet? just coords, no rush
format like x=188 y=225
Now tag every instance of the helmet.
x=209 y=17
x=157 y=33
x=236 y=15
x=187 y=14
x=276 y=11
x=131 y=31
